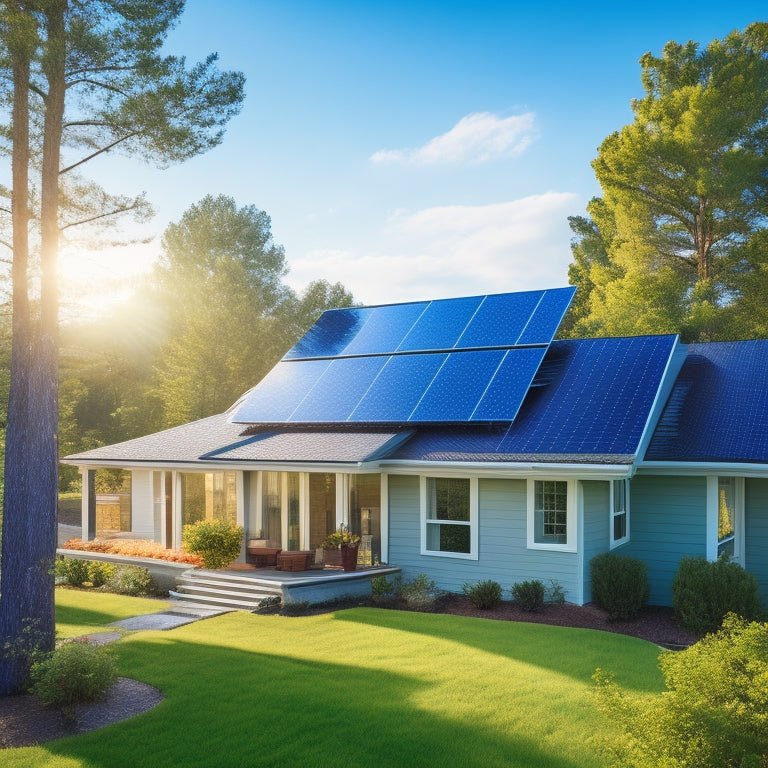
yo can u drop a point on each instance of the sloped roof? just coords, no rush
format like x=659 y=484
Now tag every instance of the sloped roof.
x=590 y=403
x=718 y=409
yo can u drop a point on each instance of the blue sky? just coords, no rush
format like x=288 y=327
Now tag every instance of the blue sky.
x=414 y=149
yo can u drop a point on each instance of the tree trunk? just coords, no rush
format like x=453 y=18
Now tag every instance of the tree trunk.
x=17 y=632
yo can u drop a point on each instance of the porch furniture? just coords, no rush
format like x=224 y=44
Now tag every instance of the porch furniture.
x=262 y=557
x=295 y=561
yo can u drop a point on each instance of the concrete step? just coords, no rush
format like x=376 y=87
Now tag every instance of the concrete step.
x=207 y=599
x=225 y=590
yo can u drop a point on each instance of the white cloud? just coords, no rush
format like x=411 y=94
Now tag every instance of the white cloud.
x=453 y=251
x=476 y=138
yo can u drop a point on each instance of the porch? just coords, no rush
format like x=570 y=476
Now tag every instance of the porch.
x=243 y=587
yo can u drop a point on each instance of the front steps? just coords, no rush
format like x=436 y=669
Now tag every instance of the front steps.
x=223 y=590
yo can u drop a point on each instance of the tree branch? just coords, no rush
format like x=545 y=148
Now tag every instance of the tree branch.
x=98 y=152
x=100 y=216
x=105 y=86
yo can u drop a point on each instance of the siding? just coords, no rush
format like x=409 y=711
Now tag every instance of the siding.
x=597 y=513
x=756 y=532
x=668 y=519
x=502 y=545
x=142 y=504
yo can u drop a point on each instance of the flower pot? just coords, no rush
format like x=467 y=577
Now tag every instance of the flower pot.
x=349 y=558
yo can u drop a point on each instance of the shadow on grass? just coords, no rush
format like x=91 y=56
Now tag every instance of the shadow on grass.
x=230 y=707
x=564 y=650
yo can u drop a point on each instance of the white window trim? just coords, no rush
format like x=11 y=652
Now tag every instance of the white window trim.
x=473 y=519
x=712 y=519
x=571 y=511
x=618 y=542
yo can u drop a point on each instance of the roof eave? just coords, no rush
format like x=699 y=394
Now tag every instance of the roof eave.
x=508 y=469
x=739 y=469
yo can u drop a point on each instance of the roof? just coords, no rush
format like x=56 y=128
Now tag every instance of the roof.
x=590 y=403
x=718 y=409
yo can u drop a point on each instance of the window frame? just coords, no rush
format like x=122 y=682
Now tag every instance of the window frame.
x=617 y=513
x=472 y=523
x=713 y=509
x=570 y=544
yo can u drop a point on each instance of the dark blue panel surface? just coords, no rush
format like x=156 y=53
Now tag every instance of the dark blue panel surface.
x=500 y=320
x=441 y=324
x=385 y=328
x=280 y=392
x=598 y=402
x=509 y=385
x=543 y=325
x=460 y=383
x=332 y=332
x=719 y=408
x=398 y=388
x=338 y=392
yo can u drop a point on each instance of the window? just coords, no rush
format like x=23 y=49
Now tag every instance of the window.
x=619 y=512
x=208 y=496
x=726 y=515
x=449 y=516
x=552 y=514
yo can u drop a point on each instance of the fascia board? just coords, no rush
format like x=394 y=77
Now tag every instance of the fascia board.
x=500 y=469
x=726 y=468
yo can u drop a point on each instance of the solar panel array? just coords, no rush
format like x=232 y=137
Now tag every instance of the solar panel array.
x=454 y=360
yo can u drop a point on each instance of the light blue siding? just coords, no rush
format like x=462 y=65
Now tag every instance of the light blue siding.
x=597 y=514
x=668 y=518
x=756 y=532
x=502 y=547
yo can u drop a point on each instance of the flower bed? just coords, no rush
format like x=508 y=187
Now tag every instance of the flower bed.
x=133 y=548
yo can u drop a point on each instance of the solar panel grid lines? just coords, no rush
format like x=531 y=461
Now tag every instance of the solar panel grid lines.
x=449 y=360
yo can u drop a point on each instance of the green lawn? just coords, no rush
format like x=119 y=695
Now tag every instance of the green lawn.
x=360 y=687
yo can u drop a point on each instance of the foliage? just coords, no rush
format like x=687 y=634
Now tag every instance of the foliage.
x=100 y=573
x=713 y=713
x=670 y=245
x=133 y=548
x=529 y=595
x=382 y=588
x=269 y=604
x=73 y=673
x=704 y=592
x=341 y=538
x=555 y=595
x=483 y=594
x=619 y=585
x=217 y=542
x=130 y=580
x=420 y=593
x=74 y=572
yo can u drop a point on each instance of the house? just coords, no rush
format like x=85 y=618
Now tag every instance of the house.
x=461 y=441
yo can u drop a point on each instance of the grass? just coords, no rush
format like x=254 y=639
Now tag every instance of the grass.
x=81 y=612
x=362 y=687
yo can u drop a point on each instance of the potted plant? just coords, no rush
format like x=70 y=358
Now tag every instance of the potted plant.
x=345 y=541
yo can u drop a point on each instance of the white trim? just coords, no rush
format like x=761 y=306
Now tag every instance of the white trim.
x=84 y=503
x=176 y=509
x=699 y=468
x=502 y=469
x=713 y=508
x=580 y=544
x=572 y=512
x=625 y=539
x=384 y=517
x=473 y=519
x=304 y=510
x=342 y=499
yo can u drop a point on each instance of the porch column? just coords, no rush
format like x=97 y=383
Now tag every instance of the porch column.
x=88 y=504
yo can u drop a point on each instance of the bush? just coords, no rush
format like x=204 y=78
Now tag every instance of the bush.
x=73 y=572
x=713 y=711
x=420 y=593
x=704 y=592
x=529 y=595
x=382 y=588
x=619 y=585
x=99 y=573
x=555 y=594
x=130 y=580
x=75 y=672
x=484 y=594
x=217 y=542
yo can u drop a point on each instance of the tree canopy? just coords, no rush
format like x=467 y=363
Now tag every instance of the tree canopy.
x=673 y=245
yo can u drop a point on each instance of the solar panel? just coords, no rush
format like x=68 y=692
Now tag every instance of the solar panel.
x=454 y=360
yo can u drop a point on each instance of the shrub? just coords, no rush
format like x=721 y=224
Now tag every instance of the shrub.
x=73 y=572
x=130 y=580
x=420 y=593
x=99 y=573
x=217 y=542
x=133 y=548
x=529 y=595
x=484 y=594
x=712 y=713
x=73 y=673
x=382 y=587
x=619 y=585
x=703 y=592
x=555 y=593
